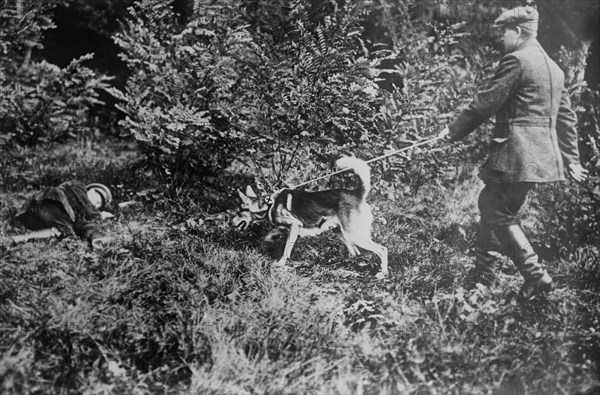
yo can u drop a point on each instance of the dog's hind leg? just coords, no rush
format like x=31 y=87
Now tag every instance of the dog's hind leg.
x=289 y=244
x=352 y=250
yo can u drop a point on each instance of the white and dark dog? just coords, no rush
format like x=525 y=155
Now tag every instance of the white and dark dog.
x=345 y=211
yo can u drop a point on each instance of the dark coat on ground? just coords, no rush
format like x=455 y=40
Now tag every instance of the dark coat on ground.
x=534 y=137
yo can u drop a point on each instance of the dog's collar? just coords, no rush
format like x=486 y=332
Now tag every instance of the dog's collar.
x=262 y=214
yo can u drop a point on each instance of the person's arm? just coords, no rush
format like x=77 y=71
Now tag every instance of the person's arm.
x=566 y=131
x=487 y=101
x=91 y=232
x=38 y=234
x=87 y=230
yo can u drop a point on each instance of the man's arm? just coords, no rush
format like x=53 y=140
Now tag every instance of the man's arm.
x=566 y=131
x=487 y=101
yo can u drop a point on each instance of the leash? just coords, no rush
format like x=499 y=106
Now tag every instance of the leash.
x=370 y=160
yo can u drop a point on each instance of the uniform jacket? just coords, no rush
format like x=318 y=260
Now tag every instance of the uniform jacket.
x=534 y=136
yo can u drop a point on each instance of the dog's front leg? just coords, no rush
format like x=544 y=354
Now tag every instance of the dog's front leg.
x=289 y=244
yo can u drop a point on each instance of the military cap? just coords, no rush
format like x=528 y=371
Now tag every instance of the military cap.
x=525 y=17
x=99 y=190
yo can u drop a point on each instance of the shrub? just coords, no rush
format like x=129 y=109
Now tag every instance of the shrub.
x=307 y=108
x=43 y=102
x=182 y=81
x=280 y=85
x=39 y=101
x=439 y=64
x=312 y=92
x=209 y=92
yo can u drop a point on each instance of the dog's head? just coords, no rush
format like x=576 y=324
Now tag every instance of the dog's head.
x=253 y=208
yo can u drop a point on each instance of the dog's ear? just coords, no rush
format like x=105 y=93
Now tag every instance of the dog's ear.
x=245 y=199
x=250 y=192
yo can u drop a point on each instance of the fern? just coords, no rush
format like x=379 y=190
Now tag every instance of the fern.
x=276 y=86
x=181 y=77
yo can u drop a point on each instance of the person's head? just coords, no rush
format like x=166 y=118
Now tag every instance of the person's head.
x=99 y=195
x=518 y=25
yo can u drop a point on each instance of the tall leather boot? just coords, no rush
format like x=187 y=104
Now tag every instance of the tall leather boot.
x=485 y=262
x=483 y=272
x=517 y=247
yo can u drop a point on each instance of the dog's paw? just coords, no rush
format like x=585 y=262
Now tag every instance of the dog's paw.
x=381 y=275
x=280 y=263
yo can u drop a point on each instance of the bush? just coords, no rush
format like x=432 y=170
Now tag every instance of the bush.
x=182 y=84
x=40 y=102
x=311 y=95
x=439 y=64
x=208 y=92
x=280 y=85
x=44 y=103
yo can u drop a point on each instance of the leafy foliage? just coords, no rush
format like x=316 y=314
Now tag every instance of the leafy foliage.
x=44 y=103
x=182 y=81
x=215 y=83
x=278 y=85
x=437 y=65
x=40 y=102
x=23 y=24
x=311 y=94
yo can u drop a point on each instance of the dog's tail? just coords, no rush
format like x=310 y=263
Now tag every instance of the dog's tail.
x=361 y=169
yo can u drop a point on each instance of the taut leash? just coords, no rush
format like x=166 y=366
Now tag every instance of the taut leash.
x=370 y=160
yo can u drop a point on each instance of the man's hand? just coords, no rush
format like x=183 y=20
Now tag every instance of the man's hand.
x=444 y=135
x=577 y=172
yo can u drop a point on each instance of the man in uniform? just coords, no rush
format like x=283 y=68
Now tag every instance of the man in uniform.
x=534 y=141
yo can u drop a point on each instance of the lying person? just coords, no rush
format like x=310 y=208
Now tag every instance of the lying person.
x=70 y=208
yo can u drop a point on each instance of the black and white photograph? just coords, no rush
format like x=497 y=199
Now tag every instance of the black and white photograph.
x=329 y=197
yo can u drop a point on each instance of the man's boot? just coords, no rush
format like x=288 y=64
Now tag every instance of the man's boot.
x=485 y=261
x=517 y=247
x=483 y=272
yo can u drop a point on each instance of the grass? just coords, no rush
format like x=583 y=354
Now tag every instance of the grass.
x=183 y=303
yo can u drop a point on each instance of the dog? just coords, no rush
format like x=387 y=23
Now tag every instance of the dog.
x=345 y=211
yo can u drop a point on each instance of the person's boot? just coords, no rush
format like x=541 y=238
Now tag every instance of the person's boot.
x=483 y=272
x=485 y=260
x=530 y=289
x=517 y=247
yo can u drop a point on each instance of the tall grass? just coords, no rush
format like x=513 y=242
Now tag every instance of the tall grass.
x=182 y=303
